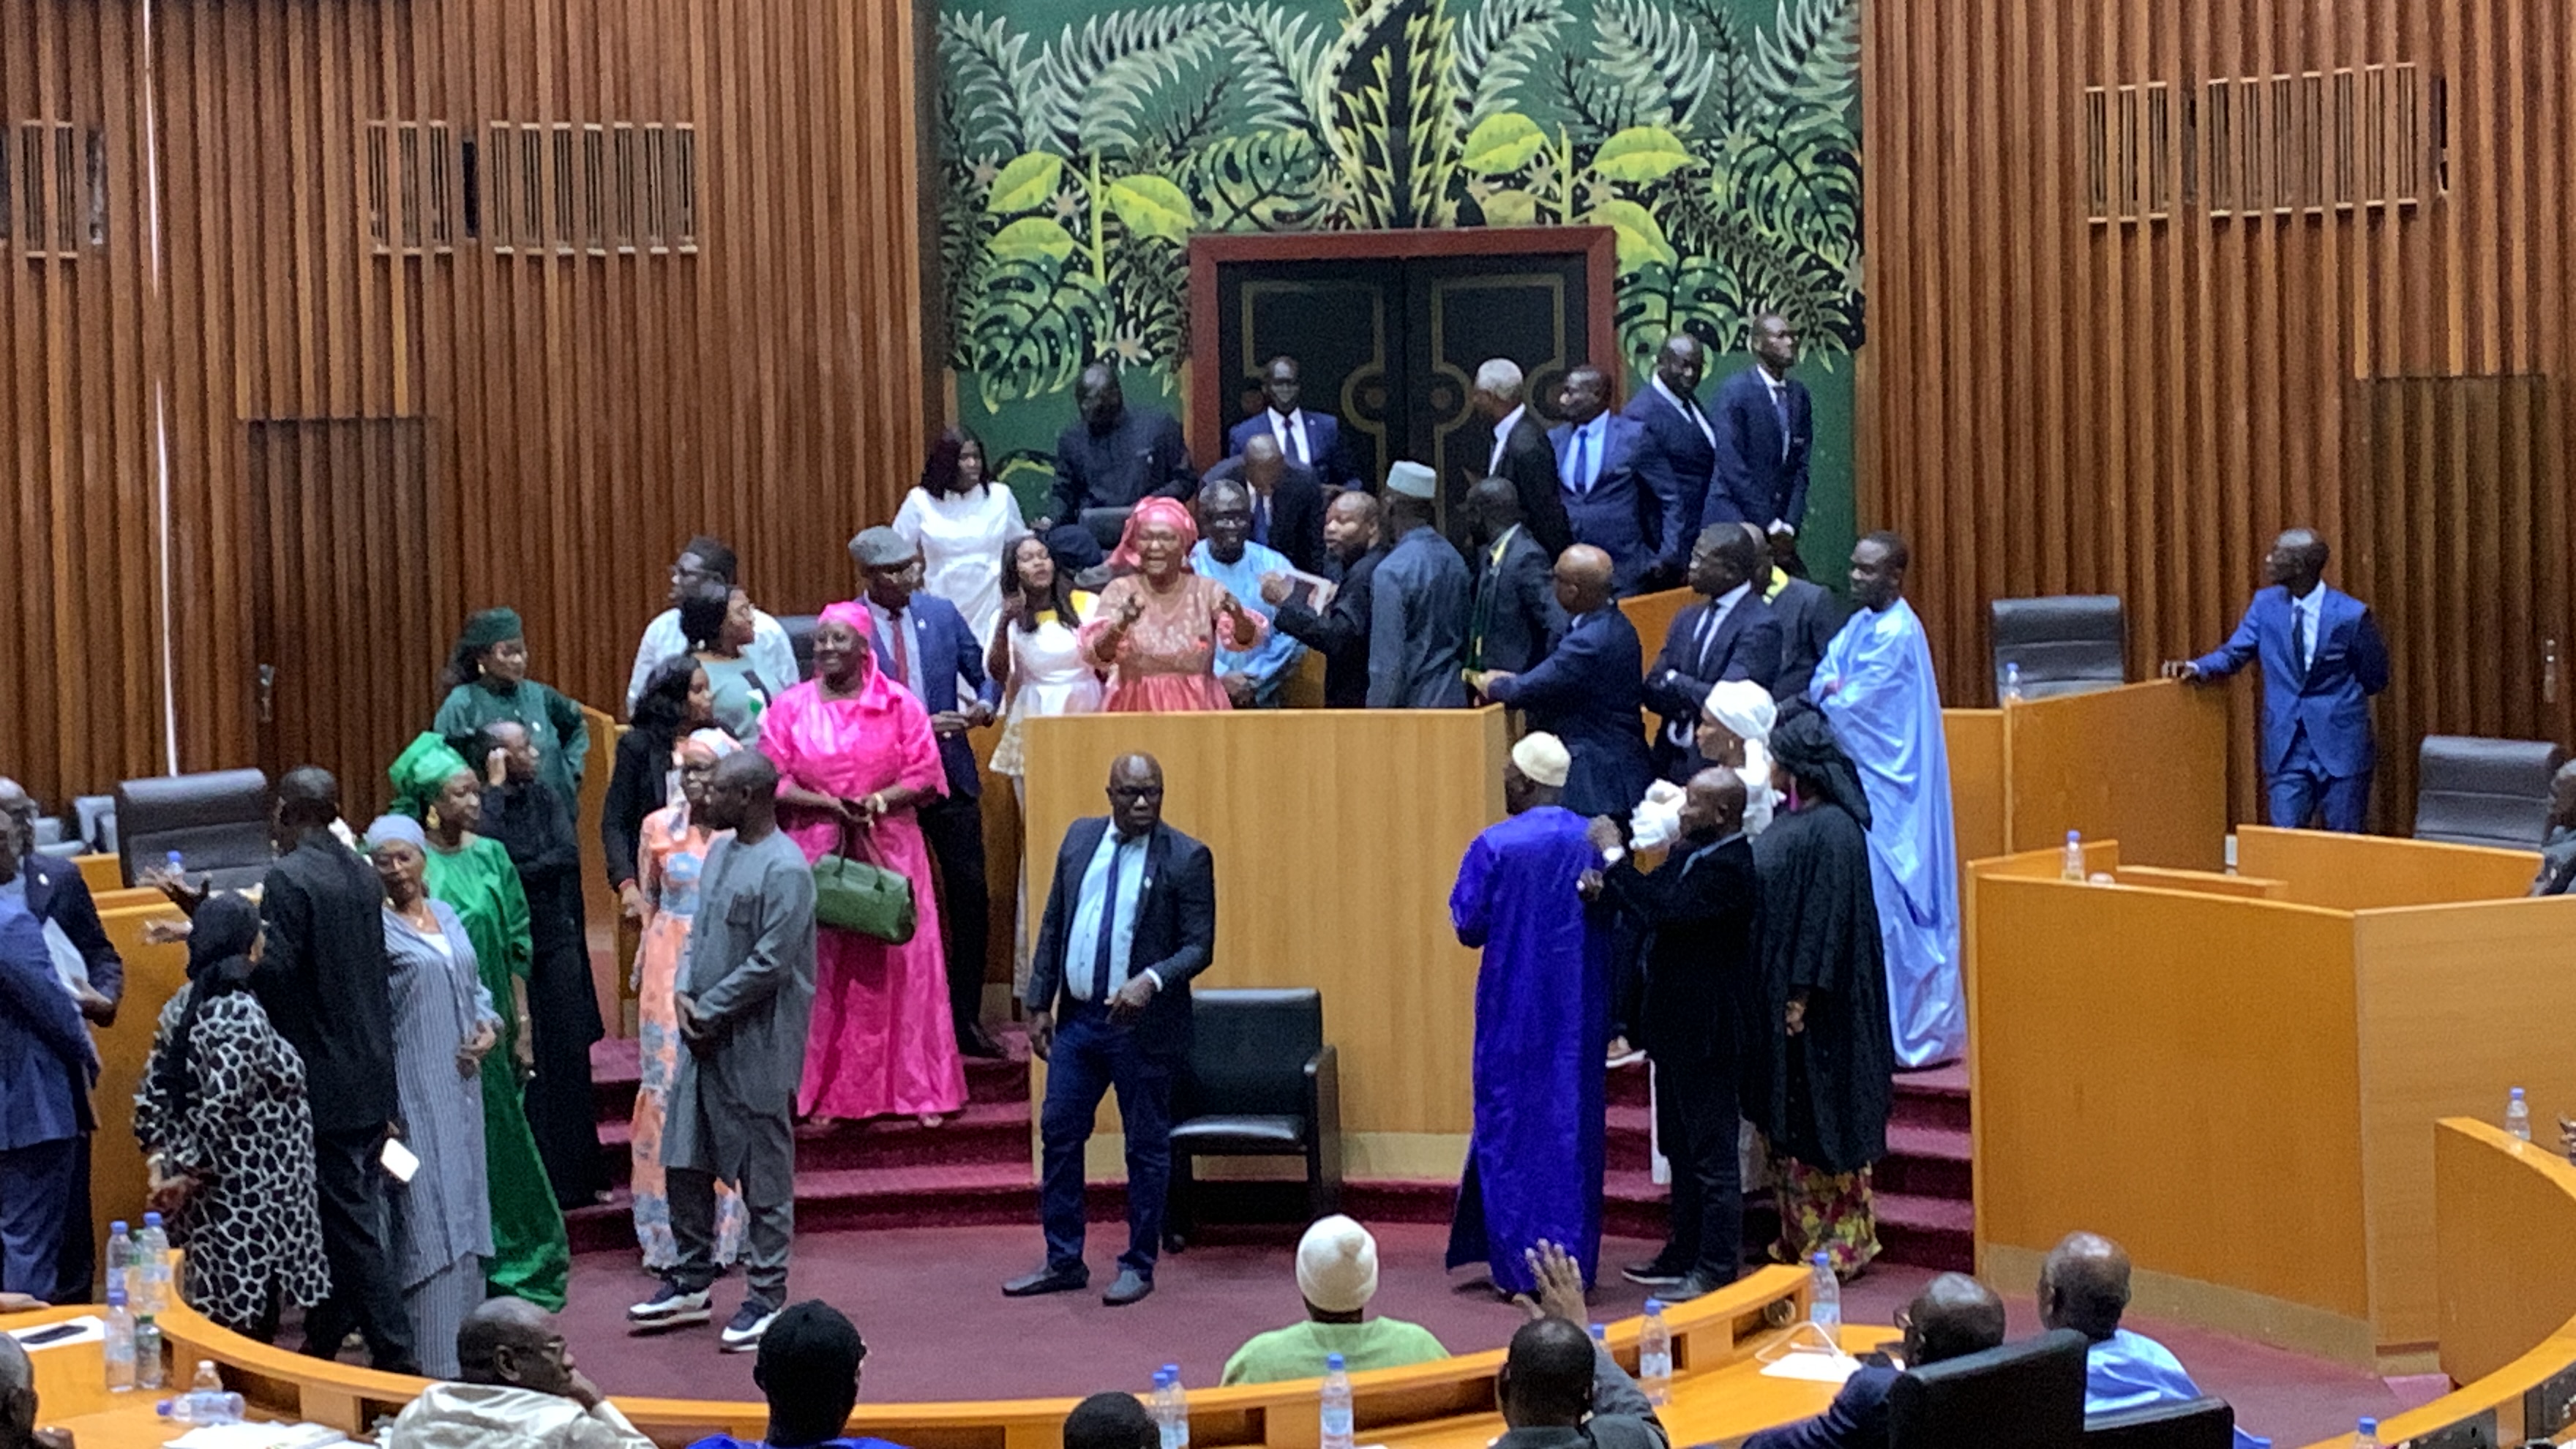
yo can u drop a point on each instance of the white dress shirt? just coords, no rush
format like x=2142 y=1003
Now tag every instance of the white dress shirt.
x=1291 y=433
x=1592 y=438
x=1503 y=430
x=1690 y=409
x=2311 y=610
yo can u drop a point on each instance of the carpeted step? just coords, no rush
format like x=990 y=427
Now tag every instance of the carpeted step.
x=1937 y=1098
x=1927 y=1232
x=1632 y=1138
x=1932 y=1162
x=1628 y=1086
x=615 y=1066
x=983 y=1132
x=939 y=1195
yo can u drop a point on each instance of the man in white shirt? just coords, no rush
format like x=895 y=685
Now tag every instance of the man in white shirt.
x=1765 y=426
x=521 y=1391
x=1306 y=439
x=707 y=560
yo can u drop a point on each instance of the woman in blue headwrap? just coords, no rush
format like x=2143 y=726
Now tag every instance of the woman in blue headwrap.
x=487 y=680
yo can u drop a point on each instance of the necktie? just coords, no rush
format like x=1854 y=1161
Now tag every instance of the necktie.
x=1578 y=475
x=1108 y=927
x=1260 y=519
x=1707 y=630
x=2299 y=637
x=1780 y=410
x=1295 y=437
x=898 y=626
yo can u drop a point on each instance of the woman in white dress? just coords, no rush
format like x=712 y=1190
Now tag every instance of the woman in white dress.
x=1036 y=656
x=960 y=520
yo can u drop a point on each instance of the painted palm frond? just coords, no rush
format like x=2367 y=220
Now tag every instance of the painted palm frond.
x=1278 y=68
x=985 y=65
x=1810 y=56
x=1652 y=62
x=1431 y=133
x=1267 y=181
x=1099 y=84
x=1503 y=51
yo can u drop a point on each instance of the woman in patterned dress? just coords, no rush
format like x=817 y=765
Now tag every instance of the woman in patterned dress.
x=671 y=855
x=1155 y=632
x=228 y=1136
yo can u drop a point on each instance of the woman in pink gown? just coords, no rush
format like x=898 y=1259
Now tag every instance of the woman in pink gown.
x=856 y=757
x=1154 y=632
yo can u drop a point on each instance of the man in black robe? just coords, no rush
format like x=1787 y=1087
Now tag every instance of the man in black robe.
x=1115 y=456
x=535 y=825
x=1822 y=1082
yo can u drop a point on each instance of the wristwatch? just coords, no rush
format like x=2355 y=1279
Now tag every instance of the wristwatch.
x=1614 y=855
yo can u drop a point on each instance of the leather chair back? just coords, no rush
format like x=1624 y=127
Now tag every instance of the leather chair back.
x=800 y=637
x=1248 y=1051
x=2473 y=791
x=2064 y=643
x=218 y=822
x=2027 y=1395
x=2202 y=1423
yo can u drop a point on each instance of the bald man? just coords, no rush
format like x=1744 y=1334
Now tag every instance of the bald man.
x=1287 y=500
x=2322 y=660
x=18 y=1403
x=1340 y=630
x=1589 y=692
x=2084 y=1285
x=1954 y=1316
x=521 y=1391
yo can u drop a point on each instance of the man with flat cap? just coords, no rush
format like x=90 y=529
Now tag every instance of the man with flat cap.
x=1418 y=608
x=1534 y=1151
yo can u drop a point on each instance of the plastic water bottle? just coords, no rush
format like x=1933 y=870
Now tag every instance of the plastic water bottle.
x=2517 y=1115
x=2012 y=683
x=1601 y=1334
x=148 y=1370
x=2070 y=865
x=175 y=867
x=1655 y=1355
x=120 y=1259
x=1171 y=1408
x=1825 y=1298
x=1336 y=1422
x=2366 y=1436
x=119 y=1348
x=152 y=1255
x=205 y=1402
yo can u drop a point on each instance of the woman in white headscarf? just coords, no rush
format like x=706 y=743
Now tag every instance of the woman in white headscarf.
x=1734 y=727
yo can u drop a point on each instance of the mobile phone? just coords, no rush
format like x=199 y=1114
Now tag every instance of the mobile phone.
x=39 y=1337
x=400 y=1161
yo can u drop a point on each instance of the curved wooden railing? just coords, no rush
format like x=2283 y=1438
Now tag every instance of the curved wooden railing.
x=1709 y=1333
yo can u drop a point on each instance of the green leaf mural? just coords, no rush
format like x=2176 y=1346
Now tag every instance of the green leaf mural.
x=1026 y=184
x=1502 y=144
x=1641 y=153
x=1152 y=206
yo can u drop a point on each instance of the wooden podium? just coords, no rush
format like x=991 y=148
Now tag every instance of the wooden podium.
x=2238 y=1076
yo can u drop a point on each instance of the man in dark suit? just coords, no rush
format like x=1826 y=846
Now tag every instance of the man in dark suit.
x=1130 y=918
x=1729 y=634
x=46 y=1068
x=2322 y=660
x=1588 y=692
x=1522 y=453
x=1809 y=613
x=1619 y=491
x=1340 y=632
x=1287 y=501
x=1954 y=1316
x=58 y=898
x=1698 y=909
x=1765 y=427
x=1515 y=619
x=1308 y=440
x=1669 y=407
x=1115 y=456
x=925 y=645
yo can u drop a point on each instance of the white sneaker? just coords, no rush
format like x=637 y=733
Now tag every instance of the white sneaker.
x=670 y=1308
x=750 y=1321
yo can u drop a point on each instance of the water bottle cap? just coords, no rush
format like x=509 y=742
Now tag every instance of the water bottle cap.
x=1173 y=1369
x=2517 y=1094
x=115 y=1294
x=2074 y=837
x=1820 y=1260
x=1601 y=1330
x=1332 y=1363
x=2370 y=1426
x=151 y=1220
x=1654 y=1307
x=116 y=1226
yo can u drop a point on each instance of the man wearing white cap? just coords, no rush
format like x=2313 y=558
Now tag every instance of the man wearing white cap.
x=1337 y=1271
x=1534 y=1152
x=1418 y=603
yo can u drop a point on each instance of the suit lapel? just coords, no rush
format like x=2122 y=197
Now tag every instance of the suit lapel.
x=40 y=889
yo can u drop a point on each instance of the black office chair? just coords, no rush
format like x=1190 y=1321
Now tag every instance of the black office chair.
x=2202 y=1423
x=217 y=822
x=2065 y=644
x=2027 y=1395
x=800 y=637
x=1261 y=1082
x=2473 y=791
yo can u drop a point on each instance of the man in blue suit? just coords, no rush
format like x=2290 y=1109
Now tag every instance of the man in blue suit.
x=1619 y=492
x=1765 y=426
x=1588 y=691
x=925 y=645
x=2322 y=661
x=46 y=1067
x=1729 y=634
x=1669 y=407
x=1308 y=440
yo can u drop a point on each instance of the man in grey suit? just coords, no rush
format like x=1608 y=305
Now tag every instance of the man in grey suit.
x=746 y=994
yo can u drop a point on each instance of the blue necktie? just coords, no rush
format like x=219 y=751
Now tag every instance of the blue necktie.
x=1582 y=480
x=1780 y=409
x=2299 y=638
x=1108 y=927
x=1260 y=519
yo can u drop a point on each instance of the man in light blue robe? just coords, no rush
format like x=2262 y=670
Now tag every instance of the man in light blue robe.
x=1534 y=1156
x=1252 y=677
x=1876 y=688
x=2084 y=1285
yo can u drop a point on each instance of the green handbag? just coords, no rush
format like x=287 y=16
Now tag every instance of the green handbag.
x=853 y=894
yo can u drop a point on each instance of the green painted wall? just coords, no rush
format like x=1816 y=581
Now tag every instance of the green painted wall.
x=1082 y=143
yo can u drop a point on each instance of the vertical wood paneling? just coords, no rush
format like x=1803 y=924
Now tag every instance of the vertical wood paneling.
x=584 y=408
x=2136 y=407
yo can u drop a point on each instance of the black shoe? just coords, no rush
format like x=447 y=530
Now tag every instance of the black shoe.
x=1131 y=1287
x=974 y=1041
x=1048 y=1280
x=1653 y=1273
x=1690 y=1285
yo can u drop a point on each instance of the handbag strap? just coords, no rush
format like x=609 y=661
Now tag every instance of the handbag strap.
x=864 y=849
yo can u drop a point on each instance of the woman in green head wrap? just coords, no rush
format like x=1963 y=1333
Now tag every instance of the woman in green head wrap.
x=532 y=1258
x=487 y=680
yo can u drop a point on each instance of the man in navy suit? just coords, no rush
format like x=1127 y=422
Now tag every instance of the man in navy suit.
x=1669 y=407
x=2322 y=661
x=1130 y=918
x=925 y=645
x=1588 y=692
x=1765 y=426
x=1619 y=492
x=46 y=1067
x=1306 y=439
x=1729 y=634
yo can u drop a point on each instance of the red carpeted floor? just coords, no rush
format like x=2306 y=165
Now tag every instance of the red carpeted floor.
x=928 y=1302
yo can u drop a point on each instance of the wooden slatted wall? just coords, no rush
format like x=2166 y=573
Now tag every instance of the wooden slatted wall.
x=635 y=271
x=2153 y=279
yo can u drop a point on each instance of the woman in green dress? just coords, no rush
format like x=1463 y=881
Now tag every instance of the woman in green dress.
x=532 y=1258
x=487 y=680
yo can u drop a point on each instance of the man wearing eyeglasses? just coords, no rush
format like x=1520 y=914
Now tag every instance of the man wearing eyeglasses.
x=1130 y=918
x=520 y=1391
